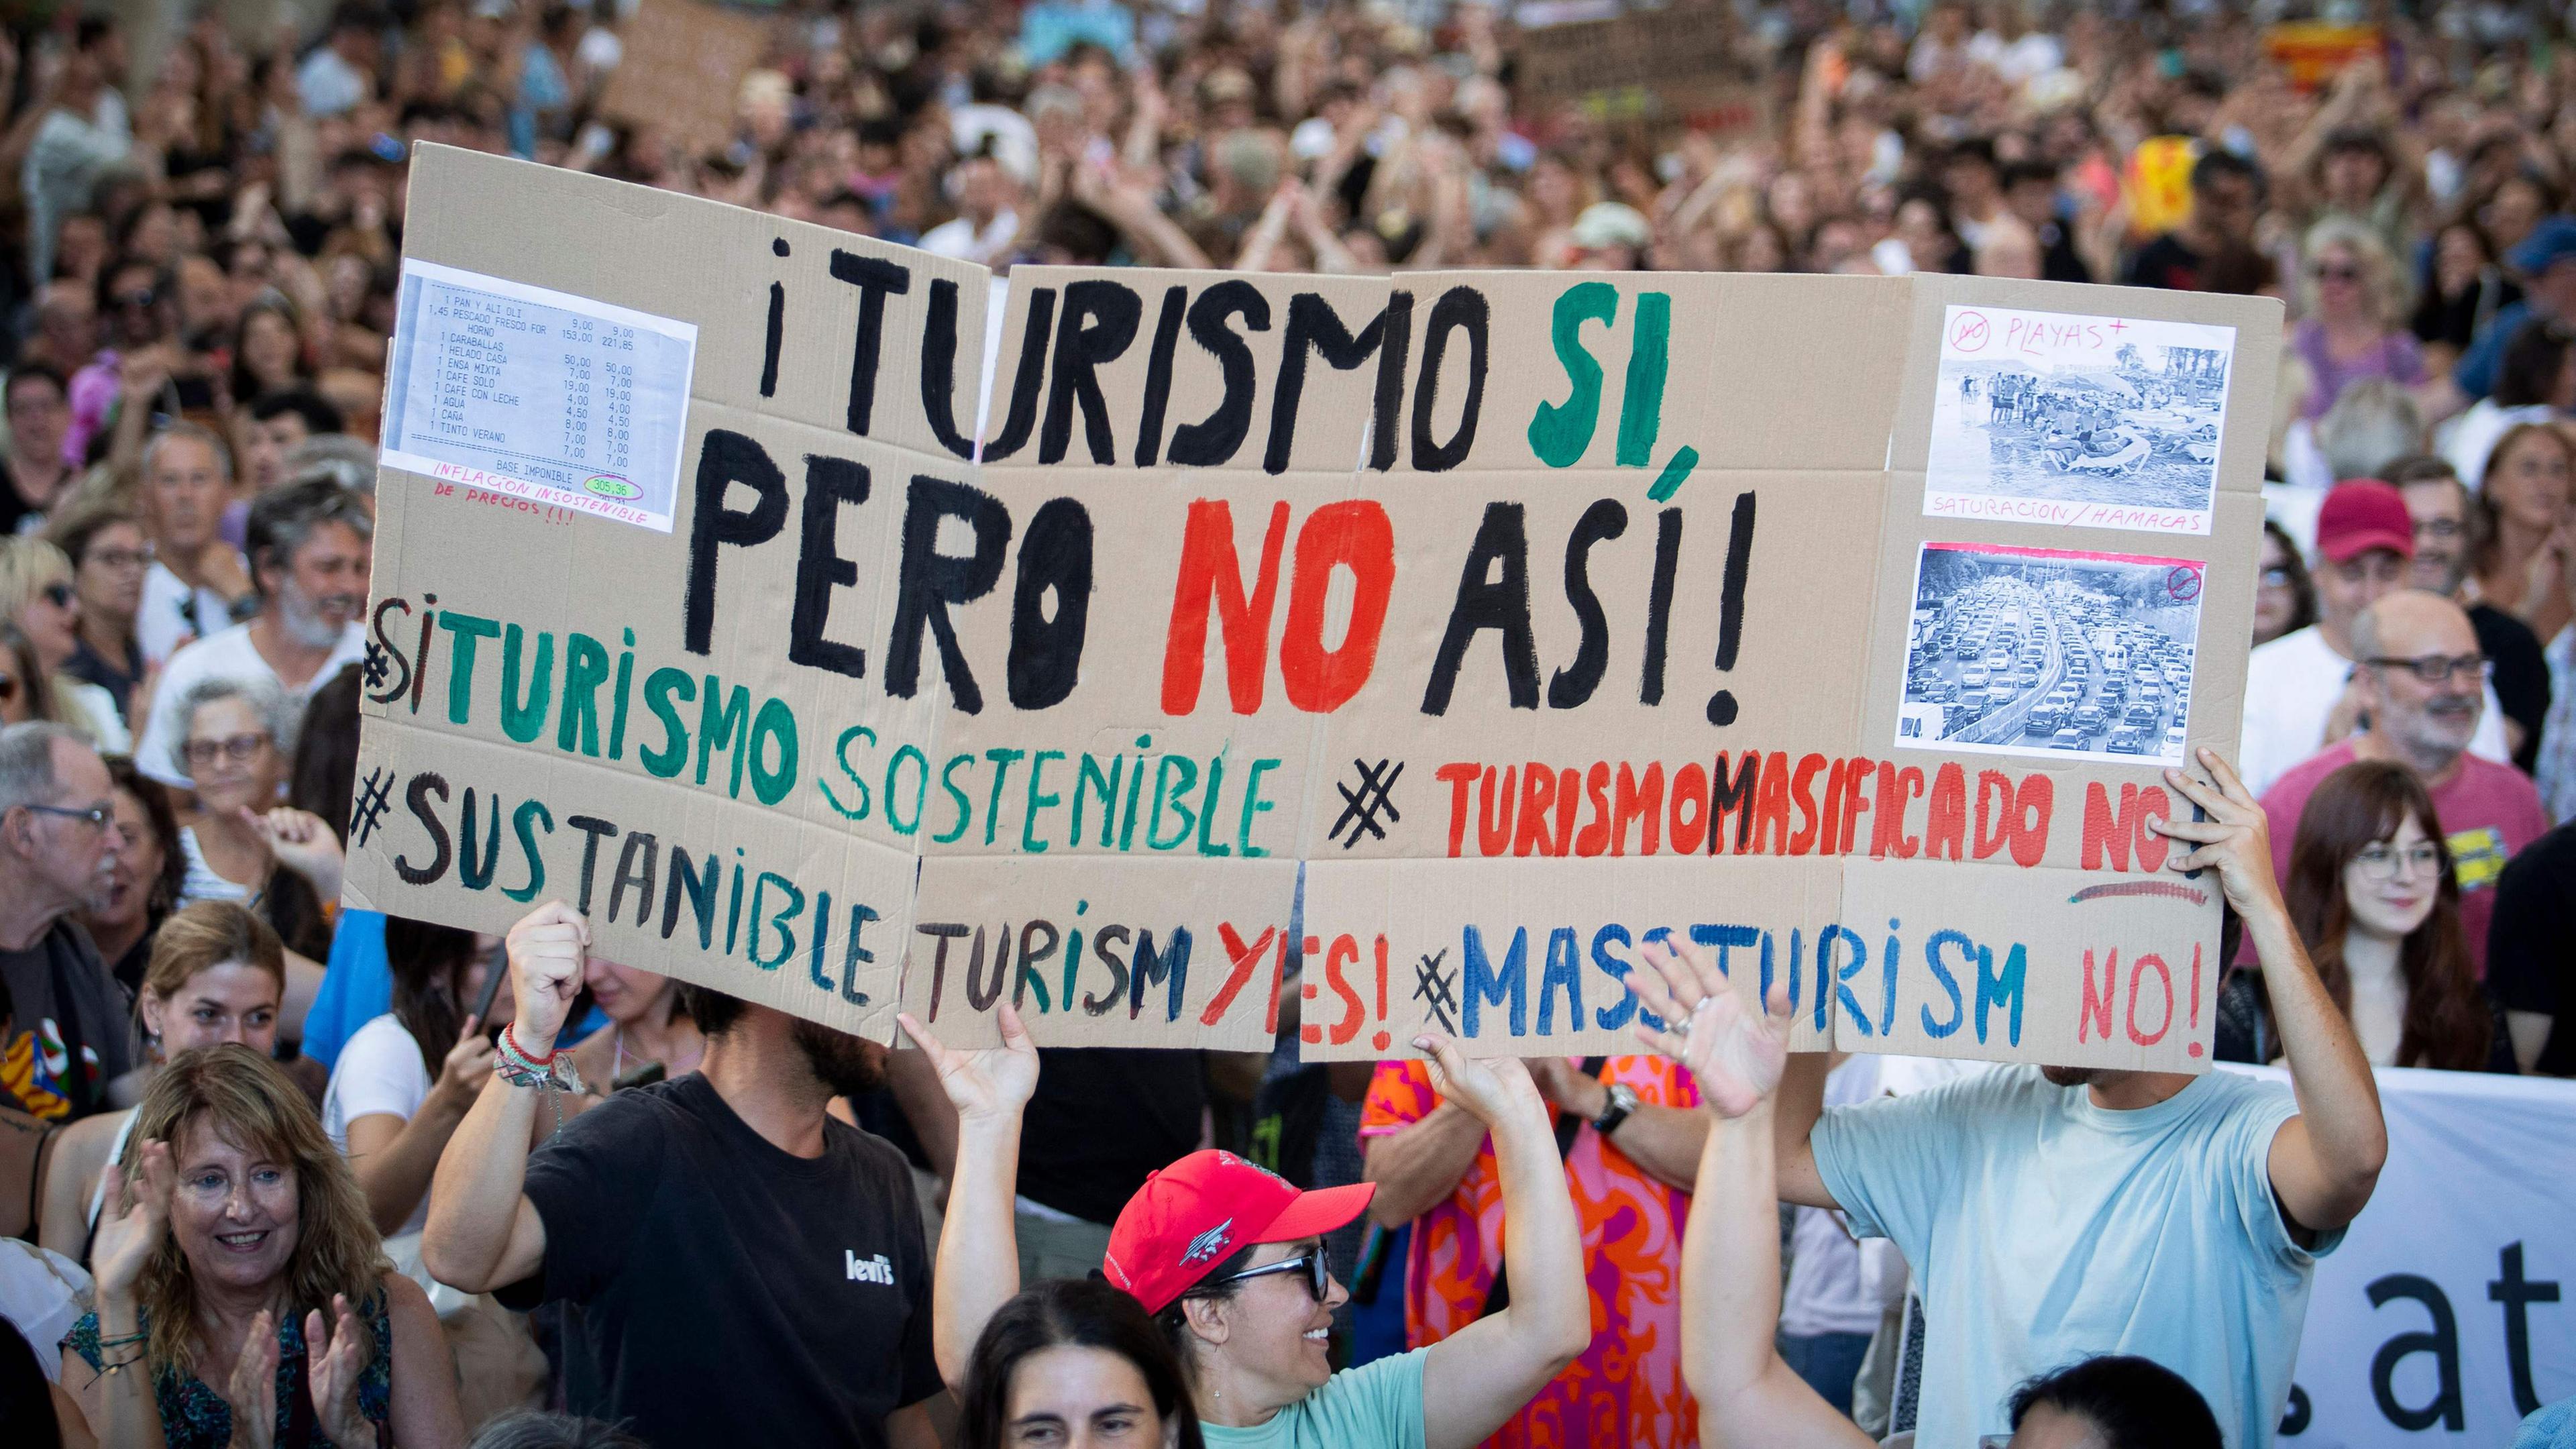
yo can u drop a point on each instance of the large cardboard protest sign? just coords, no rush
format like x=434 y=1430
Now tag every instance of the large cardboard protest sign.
x=1523 y=617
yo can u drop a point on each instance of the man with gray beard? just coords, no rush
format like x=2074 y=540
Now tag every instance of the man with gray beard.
x=309 y=552
x=56 y=811
x=2422 y=677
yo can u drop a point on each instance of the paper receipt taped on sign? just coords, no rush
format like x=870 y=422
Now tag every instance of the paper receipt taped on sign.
x=538 y=394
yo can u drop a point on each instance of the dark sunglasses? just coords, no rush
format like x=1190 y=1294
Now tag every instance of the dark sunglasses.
x=57 y=594
x=8 y=689
x=1319 y=1273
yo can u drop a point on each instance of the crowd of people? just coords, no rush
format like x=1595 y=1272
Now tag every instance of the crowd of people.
x=277 y=1170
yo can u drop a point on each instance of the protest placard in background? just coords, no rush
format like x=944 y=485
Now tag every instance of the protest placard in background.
x=1523 y=616
x=681 y=68
x=1675 y=64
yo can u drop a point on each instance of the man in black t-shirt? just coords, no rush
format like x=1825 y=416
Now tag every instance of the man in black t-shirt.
x=2531 y=952
x=1104 y=1119
x=749 y=1270
x=70 y=1035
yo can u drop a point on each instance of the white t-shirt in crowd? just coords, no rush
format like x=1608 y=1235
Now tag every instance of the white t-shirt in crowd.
x=379 y=1072
x=166 y=617
x=2042 y=1228
x=2291 y=687
x=225 y=655
x=199 y=882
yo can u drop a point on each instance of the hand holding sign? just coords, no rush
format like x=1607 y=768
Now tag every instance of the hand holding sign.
x=1736 y=1056
x=996 y=1082
x=2235 y=840
x=547 y=951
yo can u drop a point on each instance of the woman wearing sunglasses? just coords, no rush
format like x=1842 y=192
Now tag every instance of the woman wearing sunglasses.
x=1229 y=1261
x=2355 y=327
x=37 y=598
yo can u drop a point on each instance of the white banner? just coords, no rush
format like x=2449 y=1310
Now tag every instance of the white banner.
x=2449 y=1312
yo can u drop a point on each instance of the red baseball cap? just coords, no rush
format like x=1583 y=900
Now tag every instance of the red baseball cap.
x=2361 y=514
x=1192 y=1215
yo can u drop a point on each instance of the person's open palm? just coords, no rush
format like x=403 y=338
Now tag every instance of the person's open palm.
x=251 y=1391
x=337 y=1355
x=991 y=1082
x=133 y=1220
x=1735 y=1054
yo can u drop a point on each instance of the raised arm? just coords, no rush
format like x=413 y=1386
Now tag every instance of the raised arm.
x=2326 y=1160
x=132 y=1226
x=979 y=1258
x=483 y=1232
x=1478 y=1377
x=1731 y=1252
x=1419 y=1163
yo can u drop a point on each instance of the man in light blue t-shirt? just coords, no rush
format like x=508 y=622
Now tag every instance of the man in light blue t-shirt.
x=2053 y=1213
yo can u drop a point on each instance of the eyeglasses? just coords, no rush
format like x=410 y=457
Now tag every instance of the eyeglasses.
x=2439 y=528
x=2380 y=860
x=58 y=594
x=138 y=300
x=120 y=558
x=1319 y=1274
x=98 y=814
x=233 y=748
x=2336 y=274
x=2276 y=577
x=2434 y=669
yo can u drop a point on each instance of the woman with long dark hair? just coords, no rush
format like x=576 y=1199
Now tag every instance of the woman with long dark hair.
x=405 y=1080
x=1075 y=1361
x=2371 y=892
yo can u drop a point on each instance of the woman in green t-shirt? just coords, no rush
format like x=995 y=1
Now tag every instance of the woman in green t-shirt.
x=1229 y=1260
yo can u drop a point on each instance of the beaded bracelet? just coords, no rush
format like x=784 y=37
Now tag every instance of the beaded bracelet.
x=513 y=1065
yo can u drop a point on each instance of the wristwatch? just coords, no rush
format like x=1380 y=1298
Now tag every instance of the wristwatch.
x=1623 y=1100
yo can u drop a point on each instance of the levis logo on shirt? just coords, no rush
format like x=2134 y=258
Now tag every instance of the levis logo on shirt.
x=868 y=1270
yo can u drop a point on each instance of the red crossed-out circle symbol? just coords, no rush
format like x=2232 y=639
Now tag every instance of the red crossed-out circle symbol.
x=1968 y=333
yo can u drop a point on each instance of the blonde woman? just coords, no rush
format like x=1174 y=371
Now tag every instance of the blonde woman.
x=39 y=596
x=240 y=1280
x=2353 y=306
x=217 y=975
